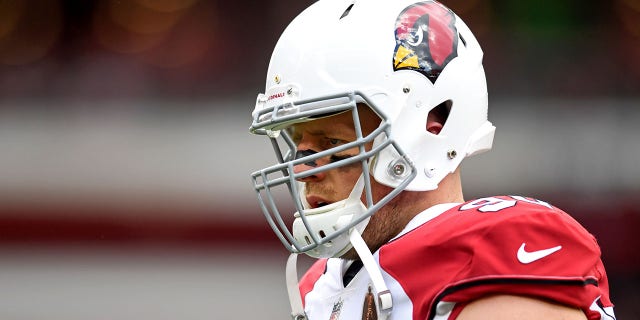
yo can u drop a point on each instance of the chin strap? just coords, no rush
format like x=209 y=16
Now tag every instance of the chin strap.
x=384 y=301
x=297 y=311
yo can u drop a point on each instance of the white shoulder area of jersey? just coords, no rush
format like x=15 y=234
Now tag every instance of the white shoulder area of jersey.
x=424 y=216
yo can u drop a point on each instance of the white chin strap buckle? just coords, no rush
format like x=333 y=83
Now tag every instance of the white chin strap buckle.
x=385 y=302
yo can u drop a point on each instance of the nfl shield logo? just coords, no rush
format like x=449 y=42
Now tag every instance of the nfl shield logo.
x=335 y=313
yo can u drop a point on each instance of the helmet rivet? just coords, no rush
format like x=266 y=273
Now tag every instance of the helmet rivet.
x=277 y=79
x=398 y=169
x=406 y=89
x=290 y=91
x=452 y=154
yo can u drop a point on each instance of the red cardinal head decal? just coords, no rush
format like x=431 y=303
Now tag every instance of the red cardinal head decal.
x=426 y=39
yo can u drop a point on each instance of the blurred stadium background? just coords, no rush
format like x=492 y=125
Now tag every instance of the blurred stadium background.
x=124 y=152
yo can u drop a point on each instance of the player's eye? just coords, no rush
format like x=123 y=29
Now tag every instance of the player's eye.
x=334 y=142
x=336 y=158
x=293 y=134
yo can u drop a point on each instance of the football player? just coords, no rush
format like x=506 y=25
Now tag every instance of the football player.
x=371 y=107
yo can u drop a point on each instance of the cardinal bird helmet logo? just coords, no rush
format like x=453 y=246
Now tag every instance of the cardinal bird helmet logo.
x=426 y=39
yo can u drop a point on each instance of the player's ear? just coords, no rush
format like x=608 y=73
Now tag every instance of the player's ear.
x=438 y=117
x=434 y=127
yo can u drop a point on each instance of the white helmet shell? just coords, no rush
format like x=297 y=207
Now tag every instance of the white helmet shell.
x=320 y=54
x=402 y=58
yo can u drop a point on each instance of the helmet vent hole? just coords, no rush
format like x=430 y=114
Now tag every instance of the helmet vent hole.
x=307 y=239
x=438 y=116
x=322 y=234
x=346 y=12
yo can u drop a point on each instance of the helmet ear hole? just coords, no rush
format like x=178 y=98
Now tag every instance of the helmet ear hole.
x=438 y=117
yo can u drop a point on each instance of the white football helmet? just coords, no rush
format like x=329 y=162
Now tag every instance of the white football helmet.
x=400 y=58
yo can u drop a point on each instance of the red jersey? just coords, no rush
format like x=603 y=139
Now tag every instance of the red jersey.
x=453 y=254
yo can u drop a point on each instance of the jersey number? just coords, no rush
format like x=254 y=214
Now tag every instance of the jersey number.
x=494 y=204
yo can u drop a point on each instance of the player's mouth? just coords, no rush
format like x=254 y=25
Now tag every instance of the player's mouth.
x=317 y=202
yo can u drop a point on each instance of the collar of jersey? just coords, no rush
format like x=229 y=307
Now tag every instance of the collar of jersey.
x=424 y=216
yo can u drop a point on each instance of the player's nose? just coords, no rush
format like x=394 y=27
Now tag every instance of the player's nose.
x=307 y=165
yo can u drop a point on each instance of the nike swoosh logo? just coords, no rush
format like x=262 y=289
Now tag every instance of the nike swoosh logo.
x=528 y=257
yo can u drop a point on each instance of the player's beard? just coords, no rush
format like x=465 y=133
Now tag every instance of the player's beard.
x=383 y=225
x=324 y=190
